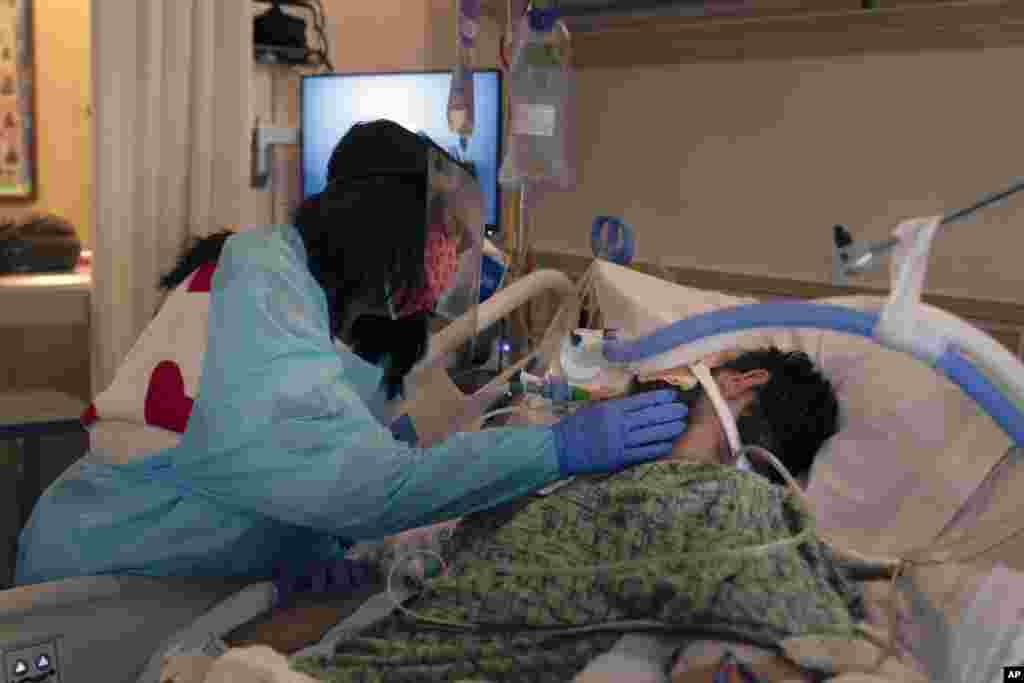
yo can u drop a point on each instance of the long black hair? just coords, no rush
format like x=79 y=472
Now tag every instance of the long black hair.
x=365 y=236
x=367 y=230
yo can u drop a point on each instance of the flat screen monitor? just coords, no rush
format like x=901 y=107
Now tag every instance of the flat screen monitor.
x=332 y=103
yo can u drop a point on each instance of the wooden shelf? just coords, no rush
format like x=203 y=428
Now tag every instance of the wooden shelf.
x=777 y=29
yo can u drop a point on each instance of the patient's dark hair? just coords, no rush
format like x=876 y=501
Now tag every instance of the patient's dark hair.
x=792 y=414
x=365 y=229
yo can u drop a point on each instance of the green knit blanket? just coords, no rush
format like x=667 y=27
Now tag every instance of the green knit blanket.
x=704 y=550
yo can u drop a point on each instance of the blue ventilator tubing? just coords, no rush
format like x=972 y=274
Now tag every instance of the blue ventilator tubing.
x=987 y=395
x=817 y=316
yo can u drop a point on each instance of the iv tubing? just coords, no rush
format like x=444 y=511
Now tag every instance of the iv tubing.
x=956 y=216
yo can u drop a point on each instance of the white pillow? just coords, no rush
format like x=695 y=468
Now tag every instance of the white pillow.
x=912 y=445
x=158 y=381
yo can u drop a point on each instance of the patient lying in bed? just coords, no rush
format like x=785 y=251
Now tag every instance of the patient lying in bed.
x=537 y=589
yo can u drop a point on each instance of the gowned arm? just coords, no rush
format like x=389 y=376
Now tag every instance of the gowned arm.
x=351 y=479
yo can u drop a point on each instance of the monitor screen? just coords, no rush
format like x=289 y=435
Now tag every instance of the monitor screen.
x=333 y=103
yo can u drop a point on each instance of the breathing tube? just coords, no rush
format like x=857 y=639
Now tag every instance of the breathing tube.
x=724 y=412
x=718 y=329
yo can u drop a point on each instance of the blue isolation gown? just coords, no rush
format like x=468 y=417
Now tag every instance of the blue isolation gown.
x=283 y=462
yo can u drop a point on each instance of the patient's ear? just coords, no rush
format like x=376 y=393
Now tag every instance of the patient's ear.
x=735 y=384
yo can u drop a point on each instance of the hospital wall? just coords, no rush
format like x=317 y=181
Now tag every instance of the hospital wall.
x=745 y=167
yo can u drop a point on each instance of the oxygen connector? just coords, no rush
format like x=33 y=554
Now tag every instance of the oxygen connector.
x=552 y=389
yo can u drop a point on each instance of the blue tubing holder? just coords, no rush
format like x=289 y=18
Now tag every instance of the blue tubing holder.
x=616 y=244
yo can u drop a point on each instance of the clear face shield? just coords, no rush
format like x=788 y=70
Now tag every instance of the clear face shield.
x=454 y=256
x=454 y=245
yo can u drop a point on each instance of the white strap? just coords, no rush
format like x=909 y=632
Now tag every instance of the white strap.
x=725 y=416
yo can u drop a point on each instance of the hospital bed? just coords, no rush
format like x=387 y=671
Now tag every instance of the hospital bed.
x=915 y=459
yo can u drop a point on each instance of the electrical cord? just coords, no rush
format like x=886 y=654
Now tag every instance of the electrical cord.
x=747 y=633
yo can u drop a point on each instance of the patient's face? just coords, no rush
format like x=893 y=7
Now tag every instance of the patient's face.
x=705 y=439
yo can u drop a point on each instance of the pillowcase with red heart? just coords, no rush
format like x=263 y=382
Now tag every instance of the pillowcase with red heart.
x=158 y=381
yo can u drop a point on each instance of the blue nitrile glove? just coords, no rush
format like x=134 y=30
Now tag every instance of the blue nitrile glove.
x=332 y=576
x=611 y=435
x=403 y=430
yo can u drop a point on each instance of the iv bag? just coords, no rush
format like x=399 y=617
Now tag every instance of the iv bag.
x=540 y=99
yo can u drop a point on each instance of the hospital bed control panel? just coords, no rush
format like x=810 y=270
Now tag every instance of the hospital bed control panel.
x=33 y=663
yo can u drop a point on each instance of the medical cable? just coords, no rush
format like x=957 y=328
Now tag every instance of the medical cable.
x=897 y=567
x=982 y=203
x=316 y=8
x=759 y=550
x=632 y=625
x=800 y=537
x=960 y=214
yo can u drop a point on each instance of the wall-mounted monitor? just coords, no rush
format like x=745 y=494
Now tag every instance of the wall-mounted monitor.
x=332 y=103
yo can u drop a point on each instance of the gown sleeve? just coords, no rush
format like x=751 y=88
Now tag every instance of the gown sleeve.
x=279 y=428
